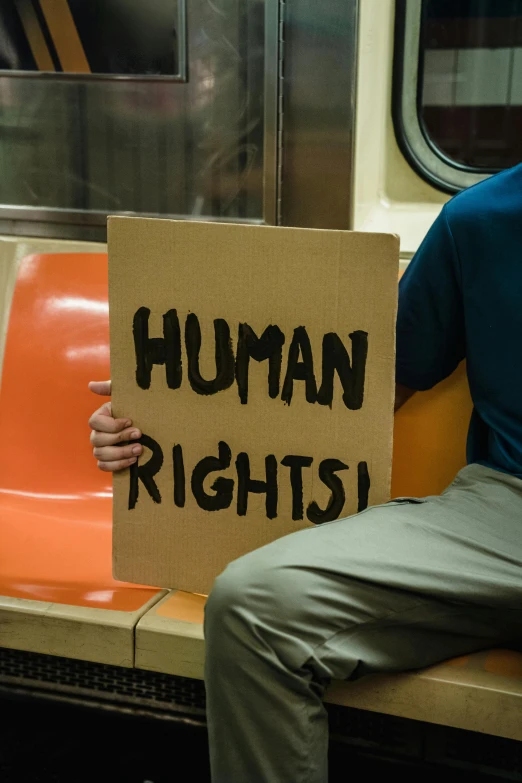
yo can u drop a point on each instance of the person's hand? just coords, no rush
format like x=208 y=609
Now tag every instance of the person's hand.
x=108 y=433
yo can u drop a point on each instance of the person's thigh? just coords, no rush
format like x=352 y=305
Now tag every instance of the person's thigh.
x=399 y=586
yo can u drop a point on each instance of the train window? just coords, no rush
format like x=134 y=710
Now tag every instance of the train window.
x=458 y=87
x=99 y=116
x=95 y=37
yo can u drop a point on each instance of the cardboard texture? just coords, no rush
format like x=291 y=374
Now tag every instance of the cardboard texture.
x=222 y=412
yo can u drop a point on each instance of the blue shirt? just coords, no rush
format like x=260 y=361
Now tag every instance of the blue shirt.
x=461 y=297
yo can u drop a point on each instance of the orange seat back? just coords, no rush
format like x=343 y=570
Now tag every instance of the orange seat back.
x=55 y=506
x=430 y=438
x=58 y=340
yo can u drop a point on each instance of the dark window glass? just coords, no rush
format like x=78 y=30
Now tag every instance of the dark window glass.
x=471 y=80
x=90 y=36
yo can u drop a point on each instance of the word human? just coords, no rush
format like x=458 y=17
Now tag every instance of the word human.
x=223 y=487
x=300 y=366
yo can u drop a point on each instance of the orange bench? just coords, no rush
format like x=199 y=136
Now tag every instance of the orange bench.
x=57 y=591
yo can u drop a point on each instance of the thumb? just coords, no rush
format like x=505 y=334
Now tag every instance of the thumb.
x=101 y=387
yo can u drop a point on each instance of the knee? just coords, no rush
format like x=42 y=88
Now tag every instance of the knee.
x=226 y=602
x=224 y=595
x=249 y=593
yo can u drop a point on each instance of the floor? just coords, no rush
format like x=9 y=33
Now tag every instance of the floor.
x=49 y=743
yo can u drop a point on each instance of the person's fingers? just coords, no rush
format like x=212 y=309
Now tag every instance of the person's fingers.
x=117 y=453
x=103 y=388
x=107 y=432
x=112 y=439
x=102 y=420
x=113 y=467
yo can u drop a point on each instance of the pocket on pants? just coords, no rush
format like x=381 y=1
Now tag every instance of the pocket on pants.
x=406 y=499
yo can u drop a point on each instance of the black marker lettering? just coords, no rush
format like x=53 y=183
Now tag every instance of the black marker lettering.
x=157 y=350
x=179 y=476
x=146 y=472
x=300 y=371
x=224 y=356
x=245 y=485
x=327 y=470
x=351 y=375
x=363 y=485
x=296 y=465
x=222 y=487
x=268 y=346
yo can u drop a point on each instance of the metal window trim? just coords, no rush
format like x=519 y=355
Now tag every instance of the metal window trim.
x=272 y=111
x=75 y=225
x=420 y=151
x=79 y=217
x=318 y=99
x=93 y=77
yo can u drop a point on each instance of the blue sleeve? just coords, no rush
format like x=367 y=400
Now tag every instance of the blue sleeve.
x=430 y=319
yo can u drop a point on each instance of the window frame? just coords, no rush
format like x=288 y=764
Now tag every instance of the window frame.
x=77 y=224
x=91 y=225
x=423 y=155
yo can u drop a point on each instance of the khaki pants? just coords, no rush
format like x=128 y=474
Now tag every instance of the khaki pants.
x=397 y=587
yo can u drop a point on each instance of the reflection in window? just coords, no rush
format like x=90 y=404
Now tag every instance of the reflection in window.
x=471 y=85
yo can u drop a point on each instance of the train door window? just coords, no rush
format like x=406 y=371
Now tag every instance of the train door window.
x=126 y=106
x=458 y=87
x=92 y=36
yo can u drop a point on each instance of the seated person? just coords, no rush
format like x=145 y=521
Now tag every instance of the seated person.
x=402 y=585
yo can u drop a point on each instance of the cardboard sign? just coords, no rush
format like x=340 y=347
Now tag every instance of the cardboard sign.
x=259 y=364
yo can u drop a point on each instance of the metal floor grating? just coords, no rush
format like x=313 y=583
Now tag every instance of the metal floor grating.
x=98 y=682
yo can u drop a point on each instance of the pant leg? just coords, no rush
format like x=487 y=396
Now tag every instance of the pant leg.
x=397 y=587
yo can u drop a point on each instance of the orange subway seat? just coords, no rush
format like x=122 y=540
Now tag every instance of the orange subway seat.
x=55 y=506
